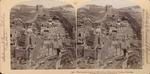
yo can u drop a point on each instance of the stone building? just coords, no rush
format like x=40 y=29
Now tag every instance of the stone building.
x=13 y=41
x=81 y=33
x=13 y=36
x=111 y=41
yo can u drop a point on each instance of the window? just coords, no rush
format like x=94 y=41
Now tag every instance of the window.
x=114 y=31
x=44 y=15
x=46 y=30
x=98 y=40
x=79 y=34
x=113 y=15
x=10 y=35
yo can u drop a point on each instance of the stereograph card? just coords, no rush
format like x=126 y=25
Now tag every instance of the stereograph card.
x=75 y=36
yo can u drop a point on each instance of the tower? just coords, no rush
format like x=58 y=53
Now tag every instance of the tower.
x=39 y=9
x=108 y=10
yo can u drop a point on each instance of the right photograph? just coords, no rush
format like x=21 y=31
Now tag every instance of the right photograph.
x=109 y=35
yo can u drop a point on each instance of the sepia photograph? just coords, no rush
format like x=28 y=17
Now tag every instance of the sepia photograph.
x=42 y=35
x=50 y=34
x=109 y=35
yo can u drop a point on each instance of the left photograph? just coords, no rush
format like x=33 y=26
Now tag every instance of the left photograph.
x=42 y=35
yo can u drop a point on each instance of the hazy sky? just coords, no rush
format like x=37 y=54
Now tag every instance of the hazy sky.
x=114 y=3
x=45 y=3
x=54 y=3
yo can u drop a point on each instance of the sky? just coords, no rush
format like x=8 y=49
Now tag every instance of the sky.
x=54 y=3
x=45 y=3
x=114 y=3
